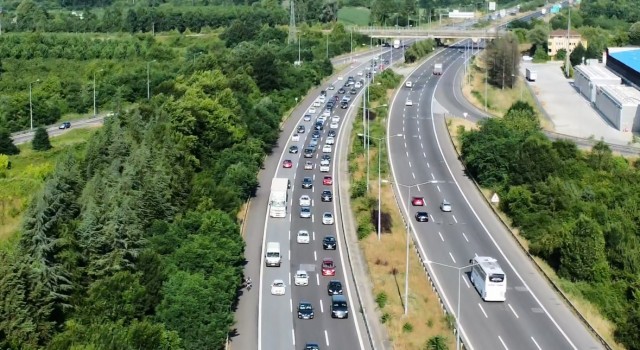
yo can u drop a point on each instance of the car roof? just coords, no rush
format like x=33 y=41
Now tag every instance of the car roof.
x=327 y=259
x=278 y=281
x=301 y=272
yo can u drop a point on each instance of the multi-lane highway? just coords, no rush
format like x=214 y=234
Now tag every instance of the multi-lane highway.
x=279 y=326
x=533 y=316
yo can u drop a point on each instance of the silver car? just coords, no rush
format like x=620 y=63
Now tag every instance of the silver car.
x=305 y=212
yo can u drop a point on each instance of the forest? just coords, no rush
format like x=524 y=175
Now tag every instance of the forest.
x=134 y=243
x=578 y=210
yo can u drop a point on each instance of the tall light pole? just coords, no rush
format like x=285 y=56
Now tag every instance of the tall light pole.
x=31 y=102
x=299 y=61
x=567 y=58
x=458 y=306
x=406 y=274
x=149 y=79
x=327 y=46
x=351 y=42
x=380 y=139
x=95 y=107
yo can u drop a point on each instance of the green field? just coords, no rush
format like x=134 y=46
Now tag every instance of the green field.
x=27 y=174
x=358 y=16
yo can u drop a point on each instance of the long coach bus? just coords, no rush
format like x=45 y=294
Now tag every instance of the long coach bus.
x=488 y=278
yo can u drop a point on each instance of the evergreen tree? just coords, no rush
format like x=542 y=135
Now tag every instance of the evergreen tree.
x=41 y=140
x=6 y=143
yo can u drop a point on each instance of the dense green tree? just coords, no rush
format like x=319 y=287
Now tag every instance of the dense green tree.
x=634 y=34
x=40 y=140
x=6 y=143
x=502 y=57
x=577 y=55
x=583 y=256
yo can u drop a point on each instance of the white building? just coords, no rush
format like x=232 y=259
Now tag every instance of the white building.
x=588 y=78
x=619 y=105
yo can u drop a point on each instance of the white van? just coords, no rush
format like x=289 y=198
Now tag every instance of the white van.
x=273 y=256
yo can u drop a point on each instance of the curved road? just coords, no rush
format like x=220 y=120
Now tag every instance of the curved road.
x=533 y=317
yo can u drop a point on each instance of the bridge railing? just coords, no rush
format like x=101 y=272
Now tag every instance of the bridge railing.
x=380 y=30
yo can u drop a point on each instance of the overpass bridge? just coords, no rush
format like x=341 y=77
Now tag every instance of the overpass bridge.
x=423 y=33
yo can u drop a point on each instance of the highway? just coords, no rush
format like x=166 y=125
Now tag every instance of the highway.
x=27 y=135
x=533 y=316
x=279 y=327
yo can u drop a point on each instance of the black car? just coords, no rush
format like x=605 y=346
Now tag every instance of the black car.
x=301 y=129
x=305 y=310
x=323 y=93
x=331 y=104
x=422 y=216
x=318 y=126
x=293 y=149
x=65 y=125
x=332 y=133
x=341 y=91
x=353 y=91
x=307 y=183
x=344 y=105
x=315 y=134
x=329 y=243
x=327 y=196
x=334 y=287
x=311 y=346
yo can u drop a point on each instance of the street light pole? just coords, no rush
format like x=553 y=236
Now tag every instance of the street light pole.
x=94 y=95
x=406 y=273
x=149 y=80
x=31 y=102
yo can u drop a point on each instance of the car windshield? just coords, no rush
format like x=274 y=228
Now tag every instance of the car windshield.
x=304 y=306
x=329 y=239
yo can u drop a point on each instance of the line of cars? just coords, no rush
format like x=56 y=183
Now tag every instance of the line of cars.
x=423 y=216
x=318 y=155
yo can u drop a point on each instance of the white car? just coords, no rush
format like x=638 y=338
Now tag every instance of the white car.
x=305 y=201
x=330 y=140
x=327 y=218
x=340 y=78
x=312 y=110
x=325 y=161
x=408 y=84
x=317 y=104
x=335 y=118
x=321 y=119
x=326 y=149
x=324 y=168
x=303 y=237
x=360 y=73
x=308 y=165
x=334 y=125
x=445 y=206
x=326 y=113
x=295 y=138
x=278 y=287
x=307 y=118
x=321 y=99
x=301 y=278
x=409 y=103
x=358 y=85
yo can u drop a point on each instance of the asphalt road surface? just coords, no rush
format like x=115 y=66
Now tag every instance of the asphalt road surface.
x=533 y=316
x=278 y=324
x=27 y=136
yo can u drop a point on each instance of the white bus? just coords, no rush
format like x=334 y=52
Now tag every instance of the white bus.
x=488 y=278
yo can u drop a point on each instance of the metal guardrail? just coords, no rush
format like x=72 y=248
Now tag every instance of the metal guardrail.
x=411 y=32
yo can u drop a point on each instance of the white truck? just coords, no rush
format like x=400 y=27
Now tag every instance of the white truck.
x=396 y=44
x=437 y=69
x=531 y=74
x=279 y=197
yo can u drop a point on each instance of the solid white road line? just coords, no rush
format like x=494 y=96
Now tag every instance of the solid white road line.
x=512 y=310
x=481 y=309
x=536 y=343
x=503 y=344
x=290 y=303
x=293 y=337
x=326 y=337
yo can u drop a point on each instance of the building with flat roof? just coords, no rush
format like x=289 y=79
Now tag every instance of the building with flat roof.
x=619 y=105
x=587 y=78
x=625 y=62
x=561 y=39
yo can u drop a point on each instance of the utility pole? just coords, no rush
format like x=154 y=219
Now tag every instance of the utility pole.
x=567 y=62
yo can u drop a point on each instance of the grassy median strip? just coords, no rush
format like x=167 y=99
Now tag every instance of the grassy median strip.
x=425 y=326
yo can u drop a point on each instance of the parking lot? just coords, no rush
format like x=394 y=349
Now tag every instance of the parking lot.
x=570 y=113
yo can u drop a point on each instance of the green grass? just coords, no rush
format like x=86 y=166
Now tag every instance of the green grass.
x=28 y=171
x=358 y=16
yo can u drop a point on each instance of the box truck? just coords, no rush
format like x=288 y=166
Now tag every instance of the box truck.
x=437 y=69
x=396 y=44
x=278 y=198
x=272 y=255
x=532 y=75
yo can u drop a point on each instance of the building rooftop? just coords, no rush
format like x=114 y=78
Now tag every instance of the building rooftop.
x=563 y=33
x=624 y=95
x=629 y=57
x=597 y=71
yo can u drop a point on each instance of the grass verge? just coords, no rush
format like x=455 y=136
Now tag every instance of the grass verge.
x=589 y=311
x=358 y=16
x=28 y=171
x=386 y=258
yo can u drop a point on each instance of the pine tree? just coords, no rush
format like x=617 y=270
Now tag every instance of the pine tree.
x=6 y=143
x=41 y=140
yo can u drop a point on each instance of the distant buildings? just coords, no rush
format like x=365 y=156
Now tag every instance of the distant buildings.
x=558 y=41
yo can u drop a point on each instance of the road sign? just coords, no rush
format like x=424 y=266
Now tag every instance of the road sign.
x=495 y=199
x=492 y=6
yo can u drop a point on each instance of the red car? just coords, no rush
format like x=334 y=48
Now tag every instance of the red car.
x=327 y=180
x=328 y=267
x=417 y=201
x=287 y=163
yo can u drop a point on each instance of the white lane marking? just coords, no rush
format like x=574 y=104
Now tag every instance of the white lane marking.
x=289 y=277
x=465 y=237
x=289 y=234
x=315 y=256
x=289 y=254
x=503 y=344
x=419 y=136
x=313 y=235
x=433 y=177
x=290 y=303
x=536 y=343
x=454 y=218
x=326 y=337
x=318 y=278
x=432 y=218
x=452 y=258
x=313 y=219
x=409 y=164
x=428 y=166
x=481 y=309
x=484 y=227
x=465 y=281
x=438 y=187
x=423 y=154
x=405 y=145
x=414 y=175
x=293 y=337
x=476 y=254
x=441 y=238
x=321 y=306
x=512 y=310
